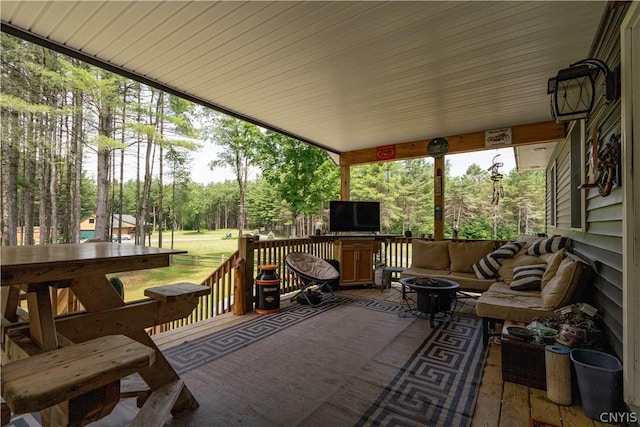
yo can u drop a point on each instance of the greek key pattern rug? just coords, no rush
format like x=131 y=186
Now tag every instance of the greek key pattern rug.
x=193 y=354
x=438 y=384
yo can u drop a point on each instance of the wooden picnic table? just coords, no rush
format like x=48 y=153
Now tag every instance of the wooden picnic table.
x=82 y=268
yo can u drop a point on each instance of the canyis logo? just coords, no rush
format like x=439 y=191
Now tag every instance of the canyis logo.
x=618 y=417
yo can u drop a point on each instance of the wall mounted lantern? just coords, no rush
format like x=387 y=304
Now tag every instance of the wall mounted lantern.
x=573 y=90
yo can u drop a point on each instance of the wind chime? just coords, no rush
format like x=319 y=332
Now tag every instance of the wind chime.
x=496 y=178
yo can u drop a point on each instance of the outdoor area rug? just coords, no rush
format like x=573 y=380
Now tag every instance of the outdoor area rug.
x=437 y=386
x=354 y=361
x=199 y=352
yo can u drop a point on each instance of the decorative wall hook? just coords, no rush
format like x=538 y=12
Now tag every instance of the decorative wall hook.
x=608 y=166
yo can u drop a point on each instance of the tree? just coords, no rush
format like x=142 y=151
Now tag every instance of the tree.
x=301 y=175
x=239 y=141
x=180 y=175
x=264 y=206
x=404 y=190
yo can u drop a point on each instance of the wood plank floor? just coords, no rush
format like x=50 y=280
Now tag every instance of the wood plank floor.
x=500 y=404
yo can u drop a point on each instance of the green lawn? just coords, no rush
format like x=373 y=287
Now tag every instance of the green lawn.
x=208 y=244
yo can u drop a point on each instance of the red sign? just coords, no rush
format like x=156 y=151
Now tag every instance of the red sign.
x=386 y=152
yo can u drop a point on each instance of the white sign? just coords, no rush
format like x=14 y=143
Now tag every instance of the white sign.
x=497 y=137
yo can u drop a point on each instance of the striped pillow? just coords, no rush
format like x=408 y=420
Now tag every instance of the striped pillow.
x=527 y=277
x=487 y=267
x=507 y=250
x=548 y=246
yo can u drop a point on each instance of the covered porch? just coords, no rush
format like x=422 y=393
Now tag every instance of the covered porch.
x=311 y=85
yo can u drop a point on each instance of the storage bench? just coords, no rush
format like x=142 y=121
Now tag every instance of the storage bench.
x=523 y=362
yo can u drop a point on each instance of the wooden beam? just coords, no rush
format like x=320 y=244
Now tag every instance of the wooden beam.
x=438 y=198
x=41 y=324
x=134 y=316
x=345 y=183
x=533 y=133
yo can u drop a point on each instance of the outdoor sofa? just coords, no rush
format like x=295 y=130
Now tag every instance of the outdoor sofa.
x=520 y=280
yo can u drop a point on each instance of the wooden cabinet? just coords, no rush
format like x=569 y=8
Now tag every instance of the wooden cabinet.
x=356 y=260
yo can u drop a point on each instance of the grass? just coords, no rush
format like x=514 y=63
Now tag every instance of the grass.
x=209 y=244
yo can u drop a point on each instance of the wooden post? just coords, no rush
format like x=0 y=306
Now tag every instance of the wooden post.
x=438 y=198
x=345 y=182
x=238 y=289
x=246 y=245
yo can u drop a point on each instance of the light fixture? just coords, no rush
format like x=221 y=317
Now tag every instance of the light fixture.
x=573 y=90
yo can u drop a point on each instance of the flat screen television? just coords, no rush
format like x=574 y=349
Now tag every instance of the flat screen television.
x=354 y=216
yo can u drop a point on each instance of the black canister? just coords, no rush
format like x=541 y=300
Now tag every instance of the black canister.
x=267 y=290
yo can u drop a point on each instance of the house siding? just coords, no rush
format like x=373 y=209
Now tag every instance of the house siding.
x=601 y=238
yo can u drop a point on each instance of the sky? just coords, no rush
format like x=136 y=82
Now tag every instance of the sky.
x=459 y=163
x=484 y=159
x=201 y=173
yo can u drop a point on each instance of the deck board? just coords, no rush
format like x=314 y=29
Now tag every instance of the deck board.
x=499 y=403
x=542 y=409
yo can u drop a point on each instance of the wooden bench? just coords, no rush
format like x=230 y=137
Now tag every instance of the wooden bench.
x=47 y=379
x=158 y=406
x=177 y=291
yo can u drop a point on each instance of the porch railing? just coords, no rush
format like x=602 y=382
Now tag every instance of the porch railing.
x=394 y=251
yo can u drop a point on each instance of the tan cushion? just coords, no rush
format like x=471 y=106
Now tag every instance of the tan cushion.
x=430 y=255
x=469 y=281
x=464 y=255
x=553 y=262
x=501 y=302
x=521 y=259
x=558 y=291
x=414 y=271
x=528 y=240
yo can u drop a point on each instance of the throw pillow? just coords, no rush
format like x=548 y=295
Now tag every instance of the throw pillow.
x=548 y=246
x=527 y=277
x=507 y=250
x=552 y=267
x=508 y=264
x=430 y=255
x=557 y=293
x=528 y=240
x=464 y=255
x=487 y=267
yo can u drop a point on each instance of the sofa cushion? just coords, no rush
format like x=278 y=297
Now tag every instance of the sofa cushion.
x=487 y=267
x=508 y=250
x=464 y=255
x=553 y=262
x=414 y=271
x=502 y=302
x=527 y=277
x=469 y=281
x=430 y=255
x=548 y=246
x=557 y=293
x=506 y=270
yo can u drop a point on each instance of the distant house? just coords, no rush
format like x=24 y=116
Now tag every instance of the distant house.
x=128 y=226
